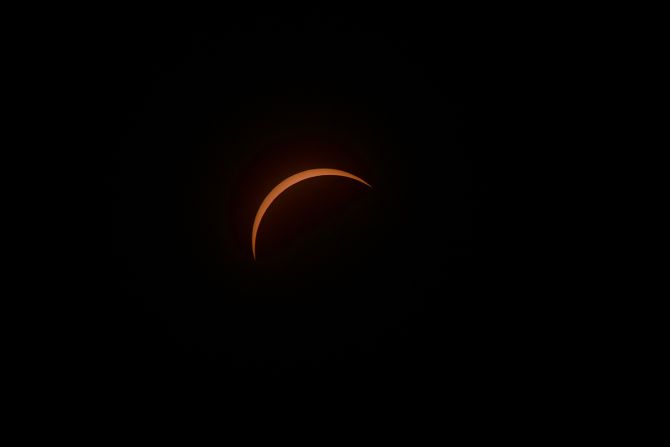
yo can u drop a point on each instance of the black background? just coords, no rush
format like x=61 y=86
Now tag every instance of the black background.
x=400 y=285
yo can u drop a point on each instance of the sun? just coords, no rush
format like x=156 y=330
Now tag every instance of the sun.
x=284 y=185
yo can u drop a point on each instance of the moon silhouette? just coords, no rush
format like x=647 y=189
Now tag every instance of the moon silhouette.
x=284 y=185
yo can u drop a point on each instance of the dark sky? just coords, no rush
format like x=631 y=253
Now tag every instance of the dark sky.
x=201 y=118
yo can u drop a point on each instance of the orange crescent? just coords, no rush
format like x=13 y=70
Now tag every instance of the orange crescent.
x=284 y=185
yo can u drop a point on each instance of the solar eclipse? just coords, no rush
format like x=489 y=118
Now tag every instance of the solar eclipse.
x=287 y=183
